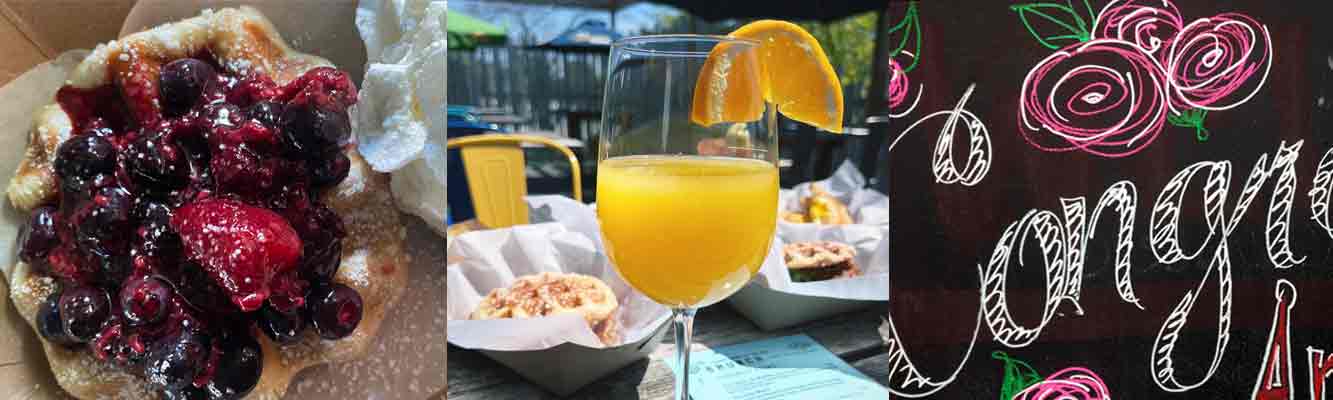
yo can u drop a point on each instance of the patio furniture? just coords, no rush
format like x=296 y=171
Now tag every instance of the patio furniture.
x=463 y=122
x=508 y=122
x=496 y=175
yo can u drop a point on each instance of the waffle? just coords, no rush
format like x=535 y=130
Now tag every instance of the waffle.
x=551 y=293
x=815 y=261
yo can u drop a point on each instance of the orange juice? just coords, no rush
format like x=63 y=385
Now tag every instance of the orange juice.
x=687 y=231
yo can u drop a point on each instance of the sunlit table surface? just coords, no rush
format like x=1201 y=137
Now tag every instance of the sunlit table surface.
x=851 y=336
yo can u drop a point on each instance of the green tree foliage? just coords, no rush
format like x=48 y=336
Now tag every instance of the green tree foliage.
x=848 y=43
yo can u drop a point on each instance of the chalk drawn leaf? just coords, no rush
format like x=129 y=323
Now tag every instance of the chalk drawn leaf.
x=1192 y=118
x=1053 y=25
x=1018 y=375
x=910 y=30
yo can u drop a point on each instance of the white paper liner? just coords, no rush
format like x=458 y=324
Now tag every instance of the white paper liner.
x=868 y=235
x=872 y=257
x=867 y=206
x=495 y=258
x=575 y=216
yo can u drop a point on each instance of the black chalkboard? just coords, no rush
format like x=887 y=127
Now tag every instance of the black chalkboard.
x=1078 y=114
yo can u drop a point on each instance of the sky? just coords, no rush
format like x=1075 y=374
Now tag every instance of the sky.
x=548 y=21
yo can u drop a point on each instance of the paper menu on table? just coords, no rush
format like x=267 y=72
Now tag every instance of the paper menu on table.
x=784 y=368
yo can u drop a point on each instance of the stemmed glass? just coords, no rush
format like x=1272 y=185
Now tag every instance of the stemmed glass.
x=687 y=185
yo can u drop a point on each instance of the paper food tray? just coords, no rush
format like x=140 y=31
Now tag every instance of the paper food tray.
x=531 y=346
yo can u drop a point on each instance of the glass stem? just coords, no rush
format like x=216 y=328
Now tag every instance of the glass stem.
x=683 y=324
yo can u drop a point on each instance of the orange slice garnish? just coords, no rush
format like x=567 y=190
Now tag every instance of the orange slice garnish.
x=729 y=87
x=795 y=75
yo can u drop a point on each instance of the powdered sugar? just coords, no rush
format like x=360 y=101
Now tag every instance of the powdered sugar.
x=407 y=358
x=355 y=269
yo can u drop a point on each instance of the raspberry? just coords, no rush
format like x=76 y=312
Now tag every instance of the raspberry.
x=241 y=247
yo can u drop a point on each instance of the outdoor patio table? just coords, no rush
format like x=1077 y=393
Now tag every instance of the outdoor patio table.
x=851 y=336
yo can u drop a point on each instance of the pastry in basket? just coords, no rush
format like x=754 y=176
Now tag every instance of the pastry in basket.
x=819 y=207
x=551 y=293
x=199 y=226
x=460 y=228
x=819 y=261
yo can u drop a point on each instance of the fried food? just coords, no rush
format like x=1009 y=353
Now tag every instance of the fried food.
x=820 y=207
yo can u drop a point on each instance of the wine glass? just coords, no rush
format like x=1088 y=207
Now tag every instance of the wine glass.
x=687 y=183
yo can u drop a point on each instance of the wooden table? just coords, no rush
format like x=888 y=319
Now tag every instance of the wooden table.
x=851 y=336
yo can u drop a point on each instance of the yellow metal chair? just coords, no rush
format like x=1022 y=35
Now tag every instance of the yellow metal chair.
x=496 y=177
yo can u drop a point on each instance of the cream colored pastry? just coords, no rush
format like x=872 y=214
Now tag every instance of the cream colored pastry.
x=820 y=260
x=551 y=293
x=374 y=262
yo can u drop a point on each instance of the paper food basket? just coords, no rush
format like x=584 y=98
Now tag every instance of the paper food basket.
x=535 y=347
x=772 y=301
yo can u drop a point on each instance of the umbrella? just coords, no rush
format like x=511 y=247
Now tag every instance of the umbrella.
x=591 y=36
x=466 y=32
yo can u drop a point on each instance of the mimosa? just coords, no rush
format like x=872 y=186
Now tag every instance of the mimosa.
x=687 y=231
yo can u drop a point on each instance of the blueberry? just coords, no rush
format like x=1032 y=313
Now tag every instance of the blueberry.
x=199 y=290
x=155 y=236
x=331 y=171
x=181 y=83
x=335 y=310
x=157 y=240
x=104 y=230
x=97 y=126
x=49 y=324
x=156 y=162
x=145 y=300
x=267 y=113
x=310 y=131
x=321 y=225
x=85 y=156
x=175 y=361
x=238 y=368
x=321 y=232
x=282 y=327
x=82 y=310
x=151 y=210
x=221 y=114
x=80 y=188
x=186 y=393
x=111 y=207
x=39 y=236
x=113 y=269
x=321 y=265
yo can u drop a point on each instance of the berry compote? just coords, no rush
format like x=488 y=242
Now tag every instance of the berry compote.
x=188 y=217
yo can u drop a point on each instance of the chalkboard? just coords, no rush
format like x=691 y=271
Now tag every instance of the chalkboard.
x=1132 y=199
